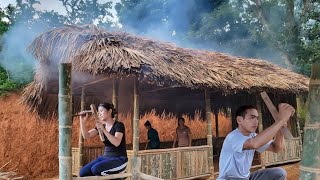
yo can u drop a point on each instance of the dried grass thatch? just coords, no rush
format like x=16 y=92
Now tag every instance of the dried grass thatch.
x=101 y=53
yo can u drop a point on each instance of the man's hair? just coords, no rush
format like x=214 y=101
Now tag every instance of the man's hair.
x=147 y=123
x=181 y=118
x=242 y=110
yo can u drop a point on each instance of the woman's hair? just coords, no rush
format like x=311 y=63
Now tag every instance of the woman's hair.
x=147 y=123
x=109 y=106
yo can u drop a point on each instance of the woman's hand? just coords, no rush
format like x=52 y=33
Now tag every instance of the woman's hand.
x=83 y=116
x=99 y=125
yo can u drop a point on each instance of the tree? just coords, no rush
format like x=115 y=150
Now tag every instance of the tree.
x=88 y=12
x=310 y=37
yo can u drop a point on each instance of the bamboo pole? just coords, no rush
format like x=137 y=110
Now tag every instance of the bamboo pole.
x=260 y=128
x=209 y=133
x=135 y=160
x=216 y=116
x=115 y=92
x=310 y=163
x=82 y=107
x=65 y=121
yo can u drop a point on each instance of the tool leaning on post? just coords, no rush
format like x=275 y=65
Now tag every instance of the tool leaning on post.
x=95 y=115
x=274 y=112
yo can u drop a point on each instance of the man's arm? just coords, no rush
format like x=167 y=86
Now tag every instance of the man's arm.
x=190 y=137
x=285 y=111
x=175 y=139
x=147 y=144
x=278 y=144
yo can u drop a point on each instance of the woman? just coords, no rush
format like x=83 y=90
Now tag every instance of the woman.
x=115 y=158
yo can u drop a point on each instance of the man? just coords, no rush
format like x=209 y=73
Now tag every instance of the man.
x=239 y=146
x=153 y=137
x=183 y=134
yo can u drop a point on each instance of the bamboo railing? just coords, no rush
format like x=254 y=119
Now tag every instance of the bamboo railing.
x=292 y=153
x=184 y=163
x=175 y=163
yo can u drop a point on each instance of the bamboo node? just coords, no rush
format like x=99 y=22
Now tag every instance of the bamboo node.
x=309 y=169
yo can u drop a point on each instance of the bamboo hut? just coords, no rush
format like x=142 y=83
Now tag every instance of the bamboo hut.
x=137 y=74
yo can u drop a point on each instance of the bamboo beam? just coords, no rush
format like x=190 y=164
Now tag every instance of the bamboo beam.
x=260 y=128
x=209 y=133
x=82 y=107
x=65 y=121
x=115 y=92
x=148 y=177
x=92 y=82
x=135 y=160
x=310 y=164
x=112 y=176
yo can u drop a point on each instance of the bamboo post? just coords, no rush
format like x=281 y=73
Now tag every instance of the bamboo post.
x=65 y=121
x=115 y=91
x=260 y=128
x=135 y=161
x=216 y=116
x=209 y=133
x=82 y=107
x=298 y=112
x=310 y=163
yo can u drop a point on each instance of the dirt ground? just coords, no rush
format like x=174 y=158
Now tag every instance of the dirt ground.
x=292 y=171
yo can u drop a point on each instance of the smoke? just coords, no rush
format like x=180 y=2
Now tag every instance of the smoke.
x=209 y=25
x=13 y=56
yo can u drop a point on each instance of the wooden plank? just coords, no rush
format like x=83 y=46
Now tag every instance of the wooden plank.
x=197 y=177
x=148 y=177
x=274 y=112
x=113 y=176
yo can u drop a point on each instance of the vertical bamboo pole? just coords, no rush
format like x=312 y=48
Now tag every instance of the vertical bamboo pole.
x=135 y=161
x=82 y=106
x=216 y=116
x=115 y=91
x=298 y=112
x=65 y=122
x=260 y=128
x=209 y=133
x=310 y=163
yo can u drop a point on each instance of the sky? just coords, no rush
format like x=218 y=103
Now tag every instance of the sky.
x=54 y=5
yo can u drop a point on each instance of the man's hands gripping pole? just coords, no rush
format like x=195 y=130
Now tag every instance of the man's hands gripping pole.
x=277 y=115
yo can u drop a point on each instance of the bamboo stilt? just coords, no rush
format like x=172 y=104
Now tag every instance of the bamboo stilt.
x=310 y=163
x=135 y=161
x=65 y=121
x=260 y=128
x=209 y=133
x=115 y=92
x=82 y=107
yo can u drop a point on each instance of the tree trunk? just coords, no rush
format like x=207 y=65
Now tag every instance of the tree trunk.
x=310 y=164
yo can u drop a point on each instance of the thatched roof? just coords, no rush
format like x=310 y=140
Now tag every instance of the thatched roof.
x=106 y=54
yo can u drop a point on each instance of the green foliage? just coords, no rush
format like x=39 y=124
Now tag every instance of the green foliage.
x=88 y=12
x=7 y=84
